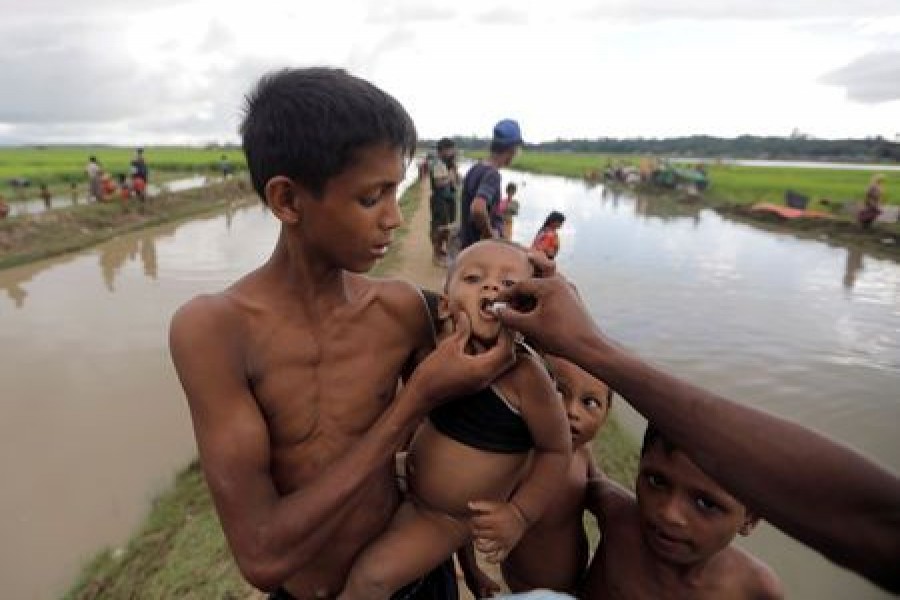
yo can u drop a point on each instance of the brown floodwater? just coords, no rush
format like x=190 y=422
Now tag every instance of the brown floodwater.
x=93 y=424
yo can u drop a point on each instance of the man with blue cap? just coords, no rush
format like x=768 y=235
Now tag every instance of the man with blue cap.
x=482 y=187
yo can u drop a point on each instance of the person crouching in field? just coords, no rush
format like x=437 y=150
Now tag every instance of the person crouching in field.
x=553 y=553
x=470 y=458
x=673 y=540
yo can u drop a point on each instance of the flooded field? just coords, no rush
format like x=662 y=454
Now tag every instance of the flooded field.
x=93 y=422
x=37 y=205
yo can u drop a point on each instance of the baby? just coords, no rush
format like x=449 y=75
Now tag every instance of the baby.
x=499 y=455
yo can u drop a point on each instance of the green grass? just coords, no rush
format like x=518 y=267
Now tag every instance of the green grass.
x=58 y=166
x=733 y=184
x=566 y=164
x=747 y=185
x=179 y=552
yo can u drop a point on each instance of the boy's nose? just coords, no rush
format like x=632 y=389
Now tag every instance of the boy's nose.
x=670 y=512
x=392 y=218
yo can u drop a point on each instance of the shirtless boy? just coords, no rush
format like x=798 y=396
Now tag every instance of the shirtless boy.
x=292 y=372
x=501 y=453
x=553 y=553
x=674 y=540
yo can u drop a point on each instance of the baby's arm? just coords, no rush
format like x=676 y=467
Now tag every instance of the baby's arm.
x=498 y=527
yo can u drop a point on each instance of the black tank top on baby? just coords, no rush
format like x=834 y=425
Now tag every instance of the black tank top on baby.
x=485 y=421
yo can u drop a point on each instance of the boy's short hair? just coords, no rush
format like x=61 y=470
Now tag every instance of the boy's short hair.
x=307 y=124
x=652 y=435
x=511 y=187
x=445 y=143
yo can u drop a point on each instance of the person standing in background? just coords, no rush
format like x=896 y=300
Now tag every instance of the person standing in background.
x=444 y=179
x=94 y=184
x=482 y=186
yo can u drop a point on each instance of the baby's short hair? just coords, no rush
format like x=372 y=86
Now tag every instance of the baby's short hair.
x=453 y=264
x=307 y=124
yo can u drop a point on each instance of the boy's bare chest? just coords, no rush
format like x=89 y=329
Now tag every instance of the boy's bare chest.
x=326 y=383
x=631 y=572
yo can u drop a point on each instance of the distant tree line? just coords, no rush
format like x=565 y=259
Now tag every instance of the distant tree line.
x=798 y=147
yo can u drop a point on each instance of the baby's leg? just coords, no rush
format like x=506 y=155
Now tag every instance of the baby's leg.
x=416 y=541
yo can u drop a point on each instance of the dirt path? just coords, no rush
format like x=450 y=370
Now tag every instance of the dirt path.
x=415 y=250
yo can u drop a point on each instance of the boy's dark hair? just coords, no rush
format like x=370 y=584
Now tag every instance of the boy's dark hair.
x=511 y=188
x=652 y=435
x=554 y=217
x=501 y=147
x=308 y=124
x=445 y=143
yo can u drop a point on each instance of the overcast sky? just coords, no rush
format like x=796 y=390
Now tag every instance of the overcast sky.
x=175 y=71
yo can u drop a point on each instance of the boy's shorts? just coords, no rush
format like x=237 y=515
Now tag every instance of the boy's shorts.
x=443 y=210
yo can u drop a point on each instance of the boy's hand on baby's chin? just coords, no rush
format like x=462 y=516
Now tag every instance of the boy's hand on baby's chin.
x=450 y=371
x=497 y=527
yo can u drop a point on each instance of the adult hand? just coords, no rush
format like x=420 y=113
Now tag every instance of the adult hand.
x=547 y=310
x=497 y=527
x=450 y=371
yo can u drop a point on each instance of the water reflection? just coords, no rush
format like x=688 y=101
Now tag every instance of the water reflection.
x=114 y=255
x=853 y=267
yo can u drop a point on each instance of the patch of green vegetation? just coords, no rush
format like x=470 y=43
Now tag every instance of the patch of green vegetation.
x=566 y=164
x=616 y=452
x=58 y=165
x=734 y=184
x=180 y=552
x=747 y=185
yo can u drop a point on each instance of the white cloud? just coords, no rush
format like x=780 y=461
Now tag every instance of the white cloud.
x=765 y=10
x=166 y=72
x=870 y=79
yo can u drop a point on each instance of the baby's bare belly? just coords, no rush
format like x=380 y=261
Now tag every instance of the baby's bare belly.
x=446 y=475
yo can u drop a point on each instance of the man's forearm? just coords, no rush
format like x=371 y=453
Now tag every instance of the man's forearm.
x=483 y=224
x=823 y=493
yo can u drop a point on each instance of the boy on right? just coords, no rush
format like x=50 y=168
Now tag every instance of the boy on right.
x=673 y=540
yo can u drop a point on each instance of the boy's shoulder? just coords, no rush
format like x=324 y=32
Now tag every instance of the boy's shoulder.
x=400 y=297
x=756 y=579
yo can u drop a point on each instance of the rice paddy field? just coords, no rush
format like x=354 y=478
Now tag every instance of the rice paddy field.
x=63 y=165
x=733 y=183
